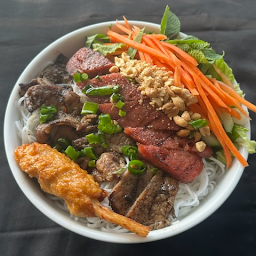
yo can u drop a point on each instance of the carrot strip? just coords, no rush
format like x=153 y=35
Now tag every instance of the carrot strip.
x=182 y=55
x=126 y=23
x=137 y=45
x=215 y=121
x=157 y=36
x=123 y=28
x=223 y=76
x=234 y=94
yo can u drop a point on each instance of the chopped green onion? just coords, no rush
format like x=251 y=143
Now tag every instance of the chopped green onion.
x=119 y=104
x=93 y=138
x=102 y=91
x=154 y=170
x=115 y=97
x=98 y=78
x=198 y=123
x=47 y=113
x=72 y=153
x=136 y=167
x=88 y=152
x=88 y=86
x=121 y=113
x=80 y=77
x=107 y=125
x=89 y=108
x=64 y=143
x=102 y=138
x=92 y=163
x=130 y=151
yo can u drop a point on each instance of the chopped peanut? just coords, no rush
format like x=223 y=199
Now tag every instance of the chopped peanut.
x=183 y=133
x=200 y=146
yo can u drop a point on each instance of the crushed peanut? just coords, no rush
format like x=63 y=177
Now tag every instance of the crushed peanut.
x=158 y=84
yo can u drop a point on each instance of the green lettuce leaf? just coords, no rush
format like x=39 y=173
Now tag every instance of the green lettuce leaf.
x=106 y=49
x=170 y=23
x=239 y=136
x=132 y=51
x=97 y=38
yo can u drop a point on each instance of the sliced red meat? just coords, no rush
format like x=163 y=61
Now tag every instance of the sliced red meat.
x=88 y=61
x=166 y=139
x=181 y=165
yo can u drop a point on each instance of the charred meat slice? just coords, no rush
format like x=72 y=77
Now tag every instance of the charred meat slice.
x=153 y=206
x=88 y=61
x=126 y=191
x=65 y=126
x=181 y=165
x=117 y=141
x=57 y=73
x=61 y=97
x=107 y=166
x=165 y=139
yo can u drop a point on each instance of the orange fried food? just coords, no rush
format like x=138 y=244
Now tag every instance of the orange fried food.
x=58 y=175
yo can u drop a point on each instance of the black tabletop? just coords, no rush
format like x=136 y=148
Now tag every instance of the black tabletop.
x=28 y=26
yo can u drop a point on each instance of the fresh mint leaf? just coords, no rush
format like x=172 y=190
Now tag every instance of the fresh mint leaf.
x=106 y=49
x=132 y=51
x=170 y=23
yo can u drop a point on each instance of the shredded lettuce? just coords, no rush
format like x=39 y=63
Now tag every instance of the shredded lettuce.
x=239 y=136
x=97 y=38
x=170 y=24
x=132 y=51
x=106 y=49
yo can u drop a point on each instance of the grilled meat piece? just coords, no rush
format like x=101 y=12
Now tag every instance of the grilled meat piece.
x=88 y=61
x=57 y=73
x=60 y=176
x=181 y=165
x=107 y=166
x=165 y=139
x=138 y=110
x=126 y=191
x=153 y=206
x=61 y=97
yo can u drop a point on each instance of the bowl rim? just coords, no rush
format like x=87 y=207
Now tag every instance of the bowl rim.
x=62 y=218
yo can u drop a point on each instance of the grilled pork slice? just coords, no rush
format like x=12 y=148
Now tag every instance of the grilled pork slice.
x=153 y=206
x=88 y=61
x=166 y=139
x=138 y=110
x=181 y=165
x=127 y=190
x=146 y=198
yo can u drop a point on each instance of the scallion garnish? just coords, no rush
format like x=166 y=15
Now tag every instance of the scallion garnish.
x=89 y=108
x=98 y=78
x=80 y=77
x=47 y=113
x=115 y=97
x=198 y=123
x=106 y=125
x=120 y=104
x=93 y=138
x=88 y=152
x=102 y=91
x=92 y=163
x=121 y=113
x=136 y=167
x=131 y=152
x=72 y=153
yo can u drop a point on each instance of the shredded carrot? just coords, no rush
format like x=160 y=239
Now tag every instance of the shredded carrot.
x=214 y=97
x=126 y=23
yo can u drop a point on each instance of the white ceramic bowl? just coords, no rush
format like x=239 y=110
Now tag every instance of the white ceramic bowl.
x=68 y=45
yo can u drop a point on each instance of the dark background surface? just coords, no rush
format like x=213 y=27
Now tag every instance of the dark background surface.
x=28 y=26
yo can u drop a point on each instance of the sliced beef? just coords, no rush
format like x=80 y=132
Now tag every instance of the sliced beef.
x=88 y=61
x=154 y=204
x=117 y=141
x=61 y=97
x=57 y=73
x=64 y=126
x=166 y=139
x=181 y=165
x=107 y=166
x=127 y=190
